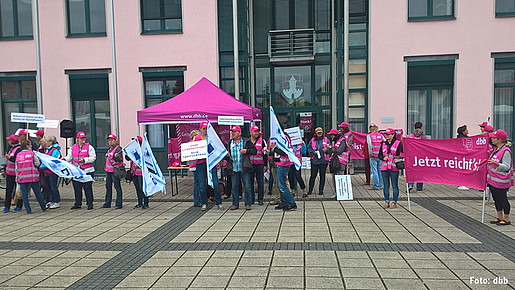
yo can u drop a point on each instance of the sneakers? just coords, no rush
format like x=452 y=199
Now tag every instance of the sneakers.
x=220 y=207
x=261 y=203
x=233 y=207
x=393 y=205
x=386 y=205
x=248 y=207
x=197 y=205
x=6 y=209
x=144 y=207
x=90 y=207
x=54 y=205
x=463 y=187
x=204 y=207
x=75 y=207
x=281 y=206
x=138 y=206
x=290 y=207
x=48 y=204
x=17 y=209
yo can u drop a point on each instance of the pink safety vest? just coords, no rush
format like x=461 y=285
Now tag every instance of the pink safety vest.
x=297 y=150
x=284 y=160
x=25 y=170
x=499 y=179
x=324 y=143
x=270 y=157
x=110 y=156
x=49 y=152
x=376 y=140
x=136 y=170
x=10 y=167
x=390 y=163
x=80 y=153
x=412 y=136
x=344 y=157
x=258 y=158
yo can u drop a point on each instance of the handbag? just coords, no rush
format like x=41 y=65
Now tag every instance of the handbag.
x=118 y=171
x=129 y=176
x=399 y=163
x=334 y=164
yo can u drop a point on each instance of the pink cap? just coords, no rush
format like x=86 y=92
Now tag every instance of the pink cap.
x=489 y=129
x=484 y=124
x=333 y=132
x=343 y=125
x=40 y=132
x=372 y=125
x=254 y=128
x=23 y=132
x=111 y=136
x=12 y=138
x=203 y=124
x=499 y=134
x=81 y=135
x=236 y=128
x=389 y=131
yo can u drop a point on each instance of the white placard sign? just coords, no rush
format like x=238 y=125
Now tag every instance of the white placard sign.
x=49 y=124
x=27 y=118
x=306 y=163
x=294 y=134
x=343 y=187
x=230 y=120
x=193 y=150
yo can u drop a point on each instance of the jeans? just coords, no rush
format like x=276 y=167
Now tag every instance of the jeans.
x=88 y=191
x=260 y=178
x=196 y=193
x=420 y=186
x=367 y=170
x=246 y=177
x=138 y=185
x=37 y=192
x=281 y=172
x=394 y=177
x=201 y=172
x=10 y=185
x=216 y=187
x=295 y=174
x=375 y=167
x=53 y=192
x=319 y=168
x=109 y=190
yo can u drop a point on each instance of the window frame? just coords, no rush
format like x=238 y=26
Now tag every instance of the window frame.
x=162 y=20
x=430 y=16
x=87 y=16
x=16 y=33
x=501 y=64
x=503 y=14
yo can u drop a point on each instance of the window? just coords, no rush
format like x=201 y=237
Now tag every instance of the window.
x=430 y=97
x=161 y=16
x=18 y=95
x=504 y=94
x=15 y=19
x=430 y=9
x=504 y=8
x=86 y=17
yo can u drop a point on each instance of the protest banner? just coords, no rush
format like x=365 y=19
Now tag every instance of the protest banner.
x=230 y=120
x=357 y=145
x=295 y=136
x=343 y=187
x=193 y=150
x=306 y=163
x=449 y=161
x=53 y=124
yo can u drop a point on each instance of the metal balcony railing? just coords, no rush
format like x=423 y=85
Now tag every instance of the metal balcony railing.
x=291 y=45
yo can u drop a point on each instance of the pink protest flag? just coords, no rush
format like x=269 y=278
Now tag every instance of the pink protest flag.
x=357 y=145
x=449 y=161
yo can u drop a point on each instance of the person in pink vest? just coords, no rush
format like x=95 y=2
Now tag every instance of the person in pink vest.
x=374 y=140
x=283 y=164
x=83 y=156
x=39 y=136
x=51 y=188
x=340 y=152
x=27 y=175
x=319 y=150
x=137 y=180
x=343 y=130
x=390 y=150
x=418 y=133
x=500 y=176
x=10 y=172
x=193 y=167
x=482 y=127
x=114 y=158
x=294 y=174
x=259 y=163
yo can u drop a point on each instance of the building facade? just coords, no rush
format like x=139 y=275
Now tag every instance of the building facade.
x=318 y=62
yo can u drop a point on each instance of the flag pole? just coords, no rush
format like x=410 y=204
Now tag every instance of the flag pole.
x=483 y=211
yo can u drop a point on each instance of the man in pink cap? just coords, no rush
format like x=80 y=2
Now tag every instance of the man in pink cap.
x=259 y=163
x=39 y=135
x=10 y=171
x=114 y=158
x=83 y=156
x=482 y=127
x=240 y=150
x=344 y=131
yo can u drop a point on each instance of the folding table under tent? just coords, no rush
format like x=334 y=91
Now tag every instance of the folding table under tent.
x=203 y=100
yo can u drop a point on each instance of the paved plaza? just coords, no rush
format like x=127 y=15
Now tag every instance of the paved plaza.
x=324 y=244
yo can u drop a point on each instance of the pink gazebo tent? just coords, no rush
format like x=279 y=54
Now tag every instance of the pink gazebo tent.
x=203 y=100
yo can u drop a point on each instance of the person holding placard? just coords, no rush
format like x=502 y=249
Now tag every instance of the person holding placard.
x=500 y=176
x=319 y=150
x=340 y=153
x=390 y=150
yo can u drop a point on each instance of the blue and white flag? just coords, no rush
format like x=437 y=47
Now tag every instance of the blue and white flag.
x=215 y=152
x=277 y=135
x=63 y=168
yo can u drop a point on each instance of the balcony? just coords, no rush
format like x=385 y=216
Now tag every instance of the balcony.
x=291 y=45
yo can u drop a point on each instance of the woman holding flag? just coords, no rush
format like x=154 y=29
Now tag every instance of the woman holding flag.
x=137 y=179
x=283 y=164
x=53 y=149
x=500 y=176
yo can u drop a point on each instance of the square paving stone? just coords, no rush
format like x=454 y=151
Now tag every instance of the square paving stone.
x=149 y=271
x=363 y=283
x=216 y=271
x=322 y=272
x=463 y=264
x=254 y=262
x=222 y=262
x=397 y=273
x=137 y=281
x=183 y=271
x=173 y=282
x=40 y=270
x=59 y=281
x=466 y=274
x=247 y=282
x=75 y=271
x=210 y=282
x=75 y=254
x=227 y=254
x=426 y=264
x=392 y=264
x=245 y=271
x=359 y=273
x=280 y=261
x=180 y=262
x=402 y=283
x=356 y=263
x=417 y=255
x=24 y=281
x=324 y=283
x=444 y=284
x=322 y=262
x=85 y=262
x=290 y=271
x=31 y=261
x=498 y=265
x=5 y=277
x=60 y=261
x=15 y=269
x=285 y=282
x=436 y=274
